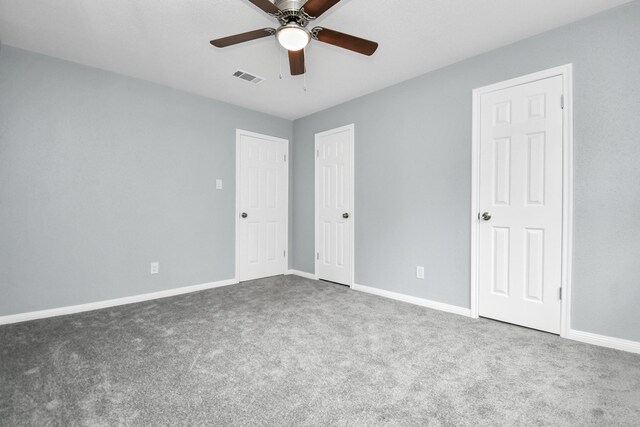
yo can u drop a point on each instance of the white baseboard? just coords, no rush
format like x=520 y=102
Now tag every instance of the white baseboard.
x=61 y=311
x=604 y=341
x=302 y=274
x=414 y=300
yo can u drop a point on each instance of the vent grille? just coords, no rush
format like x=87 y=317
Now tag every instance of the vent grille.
x=248 y=77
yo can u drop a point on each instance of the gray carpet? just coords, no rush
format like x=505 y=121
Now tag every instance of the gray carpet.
x=291 y=351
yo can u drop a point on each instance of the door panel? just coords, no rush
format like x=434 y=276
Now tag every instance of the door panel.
x=502 y=175
x=334 y=180
x=501 y=260
x=263 y=198
x=520 y=259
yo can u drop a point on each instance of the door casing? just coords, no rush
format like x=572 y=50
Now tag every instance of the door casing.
x=566 y=71
x=351 y=128
x=239 y=134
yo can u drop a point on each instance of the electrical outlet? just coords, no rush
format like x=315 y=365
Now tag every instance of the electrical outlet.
x=218 y=184
x=155 y=267
x=419 y=272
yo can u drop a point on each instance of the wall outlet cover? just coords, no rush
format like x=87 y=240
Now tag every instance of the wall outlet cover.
x=420 y=272
x=155 y=267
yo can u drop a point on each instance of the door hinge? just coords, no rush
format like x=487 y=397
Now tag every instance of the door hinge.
x=318 y=255
x=285 y=157
x=560 y=293
x=562 y=101
x=317 y=153
x=284 y=253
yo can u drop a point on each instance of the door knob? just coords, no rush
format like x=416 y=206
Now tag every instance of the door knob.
x=345 y=215
x=486 y=216
x=244 y=215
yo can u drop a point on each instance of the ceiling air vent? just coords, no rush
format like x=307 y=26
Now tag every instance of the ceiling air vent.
x=248 y=77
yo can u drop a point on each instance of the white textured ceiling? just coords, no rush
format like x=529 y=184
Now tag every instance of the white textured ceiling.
x=167 y=42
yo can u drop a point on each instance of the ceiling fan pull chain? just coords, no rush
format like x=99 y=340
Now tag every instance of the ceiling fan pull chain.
x=279 y=58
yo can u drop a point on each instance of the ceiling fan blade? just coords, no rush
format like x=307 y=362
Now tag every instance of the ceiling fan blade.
x=345 y=41
x=267 y=6
x=315 y=8
x=296 y=62
x=244 y=37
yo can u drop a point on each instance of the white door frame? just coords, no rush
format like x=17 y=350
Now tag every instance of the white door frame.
x=566 y=71
x=239 y=134
x=352 y=216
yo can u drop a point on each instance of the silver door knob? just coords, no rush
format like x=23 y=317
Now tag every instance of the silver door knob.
x=345 y=215
x=244 y=215
x=486 y=216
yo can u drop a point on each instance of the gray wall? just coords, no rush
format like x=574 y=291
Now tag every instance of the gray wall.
x=413 y=180
x=101 y=174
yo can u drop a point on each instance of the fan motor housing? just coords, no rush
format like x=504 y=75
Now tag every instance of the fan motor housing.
x=286 y=5
x=290 y=12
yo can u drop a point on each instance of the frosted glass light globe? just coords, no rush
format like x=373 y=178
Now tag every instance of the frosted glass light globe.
x=293 y=37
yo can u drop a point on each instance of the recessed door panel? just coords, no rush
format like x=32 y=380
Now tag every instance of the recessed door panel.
x=536 y=106
x=271 y=241
x=534 y=264
x=327 y=244
x=340 y=244
x=253 y=187
x=271 y=184
x=500 y=261
x=327 y=187
x=340 y=187
x=535 y=168
x=253 y=242
x=502 y=171
x=502 y=113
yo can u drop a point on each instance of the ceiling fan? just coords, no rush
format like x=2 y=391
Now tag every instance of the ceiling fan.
x=293 y=35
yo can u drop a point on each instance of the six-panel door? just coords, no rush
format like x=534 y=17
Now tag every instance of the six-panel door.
x=520 y=240
x=334 y=210
x=262 y=203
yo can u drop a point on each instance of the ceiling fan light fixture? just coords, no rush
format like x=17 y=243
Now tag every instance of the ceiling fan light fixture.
x=293 y=37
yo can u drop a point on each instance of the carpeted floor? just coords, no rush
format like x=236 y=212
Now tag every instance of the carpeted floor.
x=291 y=351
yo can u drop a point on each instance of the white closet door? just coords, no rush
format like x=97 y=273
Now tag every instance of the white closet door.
x=520 y=258
x=263 y=206
x=334 y=210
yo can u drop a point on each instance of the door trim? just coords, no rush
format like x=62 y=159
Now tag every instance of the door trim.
x=566 y=71
x=350 y=127
x=239 y=134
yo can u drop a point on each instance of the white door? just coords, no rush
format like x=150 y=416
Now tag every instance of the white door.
x=520 y=195
x=334 y=205
x=262 y=205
